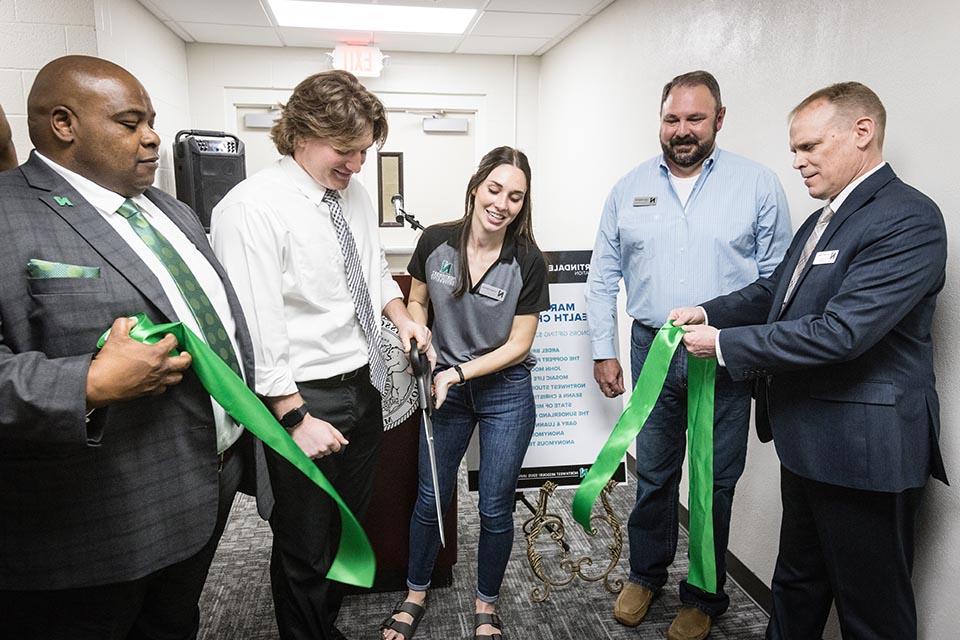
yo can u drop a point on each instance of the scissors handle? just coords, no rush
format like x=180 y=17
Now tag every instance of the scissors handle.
x=421 y=371
x=418 y=361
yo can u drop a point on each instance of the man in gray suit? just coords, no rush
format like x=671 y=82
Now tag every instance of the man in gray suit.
x=117 y=471
x=839 y=340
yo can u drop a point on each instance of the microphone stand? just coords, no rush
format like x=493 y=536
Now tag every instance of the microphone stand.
x=413 y=222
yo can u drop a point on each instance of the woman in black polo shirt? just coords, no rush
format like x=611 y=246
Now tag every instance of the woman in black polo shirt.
x=485 y=279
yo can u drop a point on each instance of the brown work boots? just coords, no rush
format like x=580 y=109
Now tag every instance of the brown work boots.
x=690 y=624
x=634 y=602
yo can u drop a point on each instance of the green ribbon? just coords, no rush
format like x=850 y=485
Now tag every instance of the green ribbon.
x=701 y=379
x=701 y=375
x=354 y=563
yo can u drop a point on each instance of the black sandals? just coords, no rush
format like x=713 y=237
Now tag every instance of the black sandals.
x=492 y=619
x=403 y=628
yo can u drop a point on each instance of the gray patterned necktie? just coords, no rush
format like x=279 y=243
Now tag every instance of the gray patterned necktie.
x=808 y=248
x=369 y=321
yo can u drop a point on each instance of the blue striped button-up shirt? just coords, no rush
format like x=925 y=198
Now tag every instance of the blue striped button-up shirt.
x=734 y=228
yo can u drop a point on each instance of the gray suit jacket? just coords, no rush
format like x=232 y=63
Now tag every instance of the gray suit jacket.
x=847 y=367
x=135 y=489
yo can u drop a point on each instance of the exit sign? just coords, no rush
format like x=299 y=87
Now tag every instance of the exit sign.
x=361 y=61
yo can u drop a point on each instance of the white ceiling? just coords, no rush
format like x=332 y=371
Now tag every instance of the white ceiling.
x=512 y=27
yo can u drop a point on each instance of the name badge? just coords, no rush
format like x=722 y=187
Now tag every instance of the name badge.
x=489 y=291
x=825 y=257
x=645 y=201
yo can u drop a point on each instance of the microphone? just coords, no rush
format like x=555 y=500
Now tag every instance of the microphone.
x=397 y=202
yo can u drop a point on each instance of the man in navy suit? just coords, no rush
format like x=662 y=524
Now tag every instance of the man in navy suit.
x=838 y=339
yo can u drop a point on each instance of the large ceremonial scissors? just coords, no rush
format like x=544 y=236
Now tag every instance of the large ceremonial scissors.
x=421 y=371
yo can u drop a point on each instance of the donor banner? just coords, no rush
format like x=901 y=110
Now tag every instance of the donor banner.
x=574 y=419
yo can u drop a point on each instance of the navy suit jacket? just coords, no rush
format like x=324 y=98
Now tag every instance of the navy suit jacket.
x=846 y=369
x=136 y=488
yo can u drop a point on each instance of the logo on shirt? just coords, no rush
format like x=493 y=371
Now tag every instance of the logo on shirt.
x=444 y=275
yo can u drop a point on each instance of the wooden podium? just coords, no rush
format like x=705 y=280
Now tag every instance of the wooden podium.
x=387 y=521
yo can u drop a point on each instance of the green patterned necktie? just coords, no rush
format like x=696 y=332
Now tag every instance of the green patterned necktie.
x=197 y=300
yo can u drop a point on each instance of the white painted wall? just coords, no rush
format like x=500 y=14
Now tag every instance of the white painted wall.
x=502 y=91
x=132 y=37
x=216 y=71
x=32 y=33
x=599 y=103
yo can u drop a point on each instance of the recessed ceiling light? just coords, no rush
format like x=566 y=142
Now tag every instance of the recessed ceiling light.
x=370 y=17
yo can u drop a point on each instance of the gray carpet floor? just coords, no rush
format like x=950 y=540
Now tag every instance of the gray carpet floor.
x=236 y=601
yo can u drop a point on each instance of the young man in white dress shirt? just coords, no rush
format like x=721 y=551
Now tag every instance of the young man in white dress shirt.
x=290 y=237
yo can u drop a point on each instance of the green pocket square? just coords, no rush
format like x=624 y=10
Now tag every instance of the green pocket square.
x=46 y=269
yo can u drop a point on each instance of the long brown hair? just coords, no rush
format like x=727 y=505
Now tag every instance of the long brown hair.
x=332 y=105
x=520 y=230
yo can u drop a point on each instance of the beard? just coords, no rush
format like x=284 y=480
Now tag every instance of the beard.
x=701 y=149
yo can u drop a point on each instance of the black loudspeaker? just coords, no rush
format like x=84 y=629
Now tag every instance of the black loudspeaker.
x=206 y=164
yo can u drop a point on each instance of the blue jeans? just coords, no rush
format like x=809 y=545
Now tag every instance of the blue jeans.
x=502 y=404
x=661 y=446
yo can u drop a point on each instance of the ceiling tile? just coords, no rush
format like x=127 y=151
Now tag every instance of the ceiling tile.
x=442 y=4
x=600 y=6
x=579 y=7
x=502 y=46
x=232 y=34
x=248 y=12
x=428 y=43
x=425 y=42
x=521 y=27
x=528 y=25
x=325 y=38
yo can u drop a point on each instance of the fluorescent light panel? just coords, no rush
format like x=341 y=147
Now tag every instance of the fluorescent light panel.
x=370 y=17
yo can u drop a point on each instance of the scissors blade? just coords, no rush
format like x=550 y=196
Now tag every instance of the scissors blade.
x=428 y=429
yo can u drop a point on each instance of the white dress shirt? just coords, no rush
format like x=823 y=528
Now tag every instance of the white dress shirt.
x=106 y=203
x=274 y=236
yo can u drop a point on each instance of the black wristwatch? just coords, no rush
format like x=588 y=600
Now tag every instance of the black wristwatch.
x=293 y=417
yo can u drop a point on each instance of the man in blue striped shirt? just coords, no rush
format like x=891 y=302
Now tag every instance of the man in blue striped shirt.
x=691 y=223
